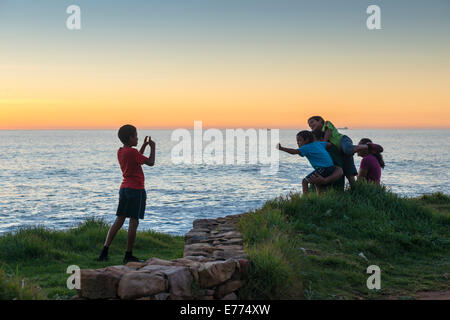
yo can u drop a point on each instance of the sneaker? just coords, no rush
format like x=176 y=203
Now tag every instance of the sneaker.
x=103 y=255
x=131 y=259
x=375 y=148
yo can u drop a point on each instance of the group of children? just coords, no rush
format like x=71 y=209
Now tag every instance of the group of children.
x=328 y=151
x=315 y=145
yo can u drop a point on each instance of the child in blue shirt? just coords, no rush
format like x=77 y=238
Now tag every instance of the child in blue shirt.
x=317 y=155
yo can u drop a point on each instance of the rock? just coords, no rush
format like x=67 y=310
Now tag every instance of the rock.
x=229 y=254
x=205 y=247
x=162 y=296
x=154 y=268
x=135 y=265
x=204 y=223
x=232 y=241
x=199 y=258
x=216 y=272
x=228 y=287
x=225 y=228
x=180 y=281
x=159 y=262
x=231 y=296
x=229 y=247
x=230 y=235
x=121 y=268
x=195 y=253
x=186 y=262
x=195 y=238
x=213 y=258
x=139 y=284
x=101 y=283
x=244 y=267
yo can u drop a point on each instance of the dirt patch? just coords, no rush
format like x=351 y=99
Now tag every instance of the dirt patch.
x=433 y=295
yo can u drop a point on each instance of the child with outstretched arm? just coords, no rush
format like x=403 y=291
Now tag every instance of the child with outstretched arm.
x=317 y=155
x=132 y=195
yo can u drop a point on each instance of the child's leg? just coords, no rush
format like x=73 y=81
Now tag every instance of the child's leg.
x=113 y=230
x=351 y=180
x=319 y=189
x=132 y=227
x=305 y=186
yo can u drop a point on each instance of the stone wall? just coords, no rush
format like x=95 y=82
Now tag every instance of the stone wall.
x=214 y=266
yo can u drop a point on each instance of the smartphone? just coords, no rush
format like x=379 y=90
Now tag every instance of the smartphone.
x=147 y=139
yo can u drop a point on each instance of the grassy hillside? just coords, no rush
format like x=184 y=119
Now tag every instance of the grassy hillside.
x=307 y=247
x=40 y=256
x=301 y=247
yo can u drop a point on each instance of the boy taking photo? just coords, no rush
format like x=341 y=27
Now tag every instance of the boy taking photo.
x=132 y=195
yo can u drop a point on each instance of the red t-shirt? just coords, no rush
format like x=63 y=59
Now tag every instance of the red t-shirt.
x=131 y=162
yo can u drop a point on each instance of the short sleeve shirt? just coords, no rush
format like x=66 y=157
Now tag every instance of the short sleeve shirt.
x=317 y=154
x=131 y=161
x=373 y=168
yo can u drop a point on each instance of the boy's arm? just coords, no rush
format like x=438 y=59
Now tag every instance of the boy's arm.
x=151 y=160
x=319 y=180
x=288 y=150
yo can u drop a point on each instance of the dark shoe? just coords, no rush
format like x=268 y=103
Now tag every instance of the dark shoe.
x=131 y=259
x=375 y=148
x=103 y=255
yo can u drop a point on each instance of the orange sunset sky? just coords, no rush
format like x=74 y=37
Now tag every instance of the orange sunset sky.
x=164 y=67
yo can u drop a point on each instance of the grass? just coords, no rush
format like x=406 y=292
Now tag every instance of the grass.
x=300 y=247
x=307 y=247
x=40 y=256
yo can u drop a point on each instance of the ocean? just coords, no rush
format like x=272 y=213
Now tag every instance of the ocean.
x=59 y=178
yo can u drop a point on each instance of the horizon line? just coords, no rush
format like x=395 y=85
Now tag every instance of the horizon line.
x=222 y=128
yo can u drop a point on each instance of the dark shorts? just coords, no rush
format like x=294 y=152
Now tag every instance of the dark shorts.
x=347 y=159
x=324 y=172
x=132 y=203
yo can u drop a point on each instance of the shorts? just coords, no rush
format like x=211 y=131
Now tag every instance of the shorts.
x=347 y=161
x=132 y=203
x=324 y=172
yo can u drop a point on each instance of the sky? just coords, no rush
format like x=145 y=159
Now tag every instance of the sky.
x=228 y=63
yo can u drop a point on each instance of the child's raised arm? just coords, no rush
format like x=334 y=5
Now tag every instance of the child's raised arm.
x=148 y=141
x=288 y=150
x=151 y=160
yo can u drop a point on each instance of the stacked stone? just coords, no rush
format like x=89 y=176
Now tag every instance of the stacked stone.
x=214 y=266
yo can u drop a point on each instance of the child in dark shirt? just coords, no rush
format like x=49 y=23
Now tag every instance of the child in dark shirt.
x=371 y=164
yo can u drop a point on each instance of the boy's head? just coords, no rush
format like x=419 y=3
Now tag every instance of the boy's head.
x=316 y=123
x=304 y=137
x=128 y=135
